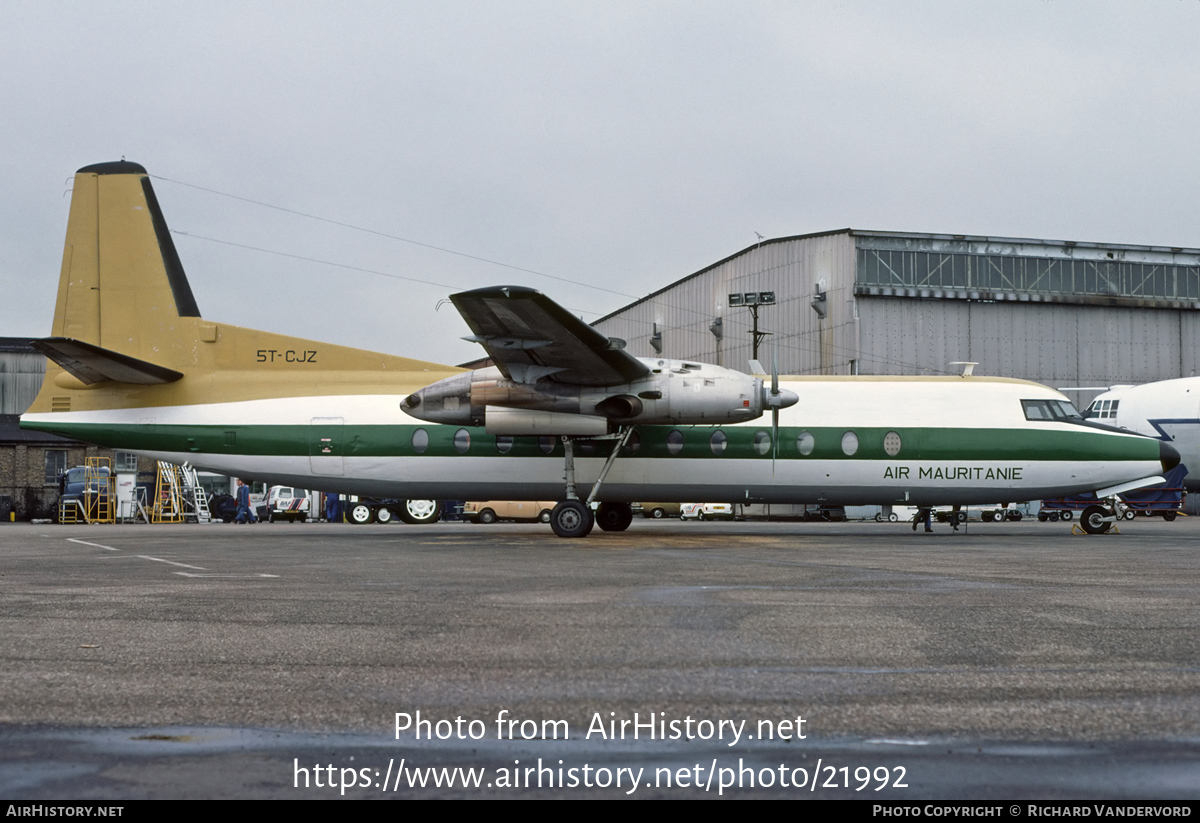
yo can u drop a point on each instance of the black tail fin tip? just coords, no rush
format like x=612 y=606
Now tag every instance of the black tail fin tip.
x=115 y=167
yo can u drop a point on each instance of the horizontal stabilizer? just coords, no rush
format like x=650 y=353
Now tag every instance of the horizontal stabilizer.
x=92 y=364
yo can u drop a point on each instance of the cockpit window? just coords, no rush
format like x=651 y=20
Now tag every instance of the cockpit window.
x=1050 y=410
x=1102 y=410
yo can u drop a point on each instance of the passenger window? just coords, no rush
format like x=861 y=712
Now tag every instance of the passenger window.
x=718 y=442
x=849 y=444
x=762 y=442
x=675 y=441
x=805 y=443
x=634 y=443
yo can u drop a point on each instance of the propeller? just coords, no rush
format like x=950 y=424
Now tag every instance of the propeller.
x=776 y=399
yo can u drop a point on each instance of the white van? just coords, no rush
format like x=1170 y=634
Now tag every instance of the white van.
x=287 y=503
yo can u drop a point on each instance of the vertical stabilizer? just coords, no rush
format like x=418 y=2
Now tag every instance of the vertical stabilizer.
x=122 y=287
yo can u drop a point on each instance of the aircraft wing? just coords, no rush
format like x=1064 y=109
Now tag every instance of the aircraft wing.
x=531 y=338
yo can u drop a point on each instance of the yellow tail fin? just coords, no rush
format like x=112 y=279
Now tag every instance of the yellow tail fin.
x=127 y=332
x=122 y=287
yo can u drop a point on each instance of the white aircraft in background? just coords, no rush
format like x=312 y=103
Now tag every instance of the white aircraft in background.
x=1168 y=410
x=136 y=367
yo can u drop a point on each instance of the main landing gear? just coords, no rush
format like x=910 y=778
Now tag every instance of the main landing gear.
x=573 y=517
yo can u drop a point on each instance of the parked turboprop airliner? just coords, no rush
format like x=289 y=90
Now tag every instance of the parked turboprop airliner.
x=136 y=367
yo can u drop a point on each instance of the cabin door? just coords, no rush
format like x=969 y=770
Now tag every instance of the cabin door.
x=325 y=446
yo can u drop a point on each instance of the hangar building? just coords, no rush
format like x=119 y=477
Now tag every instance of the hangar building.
x=1058 y=312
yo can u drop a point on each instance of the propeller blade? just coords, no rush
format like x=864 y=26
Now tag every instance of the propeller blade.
x=774 y=437
x=774 y=406
x=775 y=372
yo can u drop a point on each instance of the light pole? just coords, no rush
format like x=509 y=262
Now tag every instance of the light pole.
x=752 y=300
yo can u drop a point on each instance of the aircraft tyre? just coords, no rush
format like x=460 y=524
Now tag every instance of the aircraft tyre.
x=360 y=514
x=1093 y=521
x=614 y=517
x=383 y=514
x=419 y=512
x=487 y=517
x=572 y=518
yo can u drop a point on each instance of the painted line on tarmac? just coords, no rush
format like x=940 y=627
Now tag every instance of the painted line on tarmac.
x=97 y=545
x=172 y=562
x=217 y=574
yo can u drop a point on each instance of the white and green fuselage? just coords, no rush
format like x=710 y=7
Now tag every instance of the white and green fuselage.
x=921 y=441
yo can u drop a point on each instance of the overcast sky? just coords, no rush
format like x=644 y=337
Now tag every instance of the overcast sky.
x=621 y=145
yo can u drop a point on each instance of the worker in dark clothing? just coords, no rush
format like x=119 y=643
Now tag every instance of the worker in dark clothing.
x=244 y=514
x=924 y=513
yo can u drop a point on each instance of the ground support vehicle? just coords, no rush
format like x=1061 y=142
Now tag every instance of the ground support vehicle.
x=999 y=515
x=363 y=510
x=85 y=495
x=657 y=511
x=829 y=514
x=287 y=503
x=521 y=511
x=706 y=511
x=1165 y=501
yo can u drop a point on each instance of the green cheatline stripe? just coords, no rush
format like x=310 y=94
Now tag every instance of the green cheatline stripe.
x=653 y=441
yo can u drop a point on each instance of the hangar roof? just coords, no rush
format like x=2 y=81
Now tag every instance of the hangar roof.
x=985 y=267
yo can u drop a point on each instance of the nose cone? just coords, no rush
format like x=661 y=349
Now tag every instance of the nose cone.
x=788 y=398
x=1168 y=456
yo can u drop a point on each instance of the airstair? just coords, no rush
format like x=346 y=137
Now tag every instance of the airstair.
x=195 y=501
x=168 y=495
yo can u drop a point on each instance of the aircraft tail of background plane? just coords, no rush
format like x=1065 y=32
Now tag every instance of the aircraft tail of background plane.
x=128 y=333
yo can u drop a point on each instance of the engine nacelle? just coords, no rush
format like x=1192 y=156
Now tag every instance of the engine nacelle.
x=672 y=392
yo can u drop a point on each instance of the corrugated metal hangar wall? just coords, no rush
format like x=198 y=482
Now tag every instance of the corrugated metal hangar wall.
x=1060 y=313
